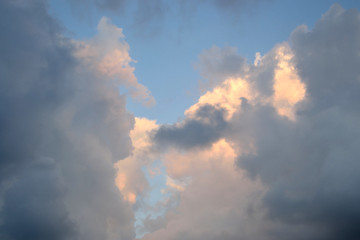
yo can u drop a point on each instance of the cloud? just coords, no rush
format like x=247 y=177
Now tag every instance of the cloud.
x=229 y=95
x=108 y=54
x=217 y=64
x=130 y=178
x=202 y=130
x=292 y=125
x=28 y=218
x=62 y=129
x=212 y=204
x=311 y=167
x=208 y=120
x=148 y=18
x=332 y=76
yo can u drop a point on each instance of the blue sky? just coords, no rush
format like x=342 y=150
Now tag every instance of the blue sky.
x=167 y=47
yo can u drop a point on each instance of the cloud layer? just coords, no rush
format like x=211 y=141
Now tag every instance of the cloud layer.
x=293 y=126
x=63 y=125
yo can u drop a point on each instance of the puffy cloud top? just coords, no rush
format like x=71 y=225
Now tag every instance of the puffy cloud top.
x=295 y=129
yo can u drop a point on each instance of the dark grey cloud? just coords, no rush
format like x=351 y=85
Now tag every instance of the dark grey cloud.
x=34 y=207
x=332 y=75
x=29 y=58
x=311 y=166
x=61 y=130
x=203 y=129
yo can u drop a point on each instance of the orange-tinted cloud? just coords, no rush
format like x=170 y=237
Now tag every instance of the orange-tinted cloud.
x=130 y=178
x=288 y=88
x=108 y=54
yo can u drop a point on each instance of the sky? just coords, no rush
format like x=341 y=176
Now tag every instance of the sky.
x=201 y=120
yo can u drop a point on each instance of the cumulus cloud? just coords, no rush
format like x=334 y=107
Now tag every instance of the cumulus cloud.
x=108 y=54
x=293 y=128
x=204 y=129
x=312 y=166
x=208 y=120
x=193 y=197
x=62 y=127
x=213 y=202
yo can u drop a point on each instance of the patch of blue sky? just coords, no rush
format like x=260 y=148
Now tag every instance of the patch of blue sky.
x=152 y=204
x=157 y=181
